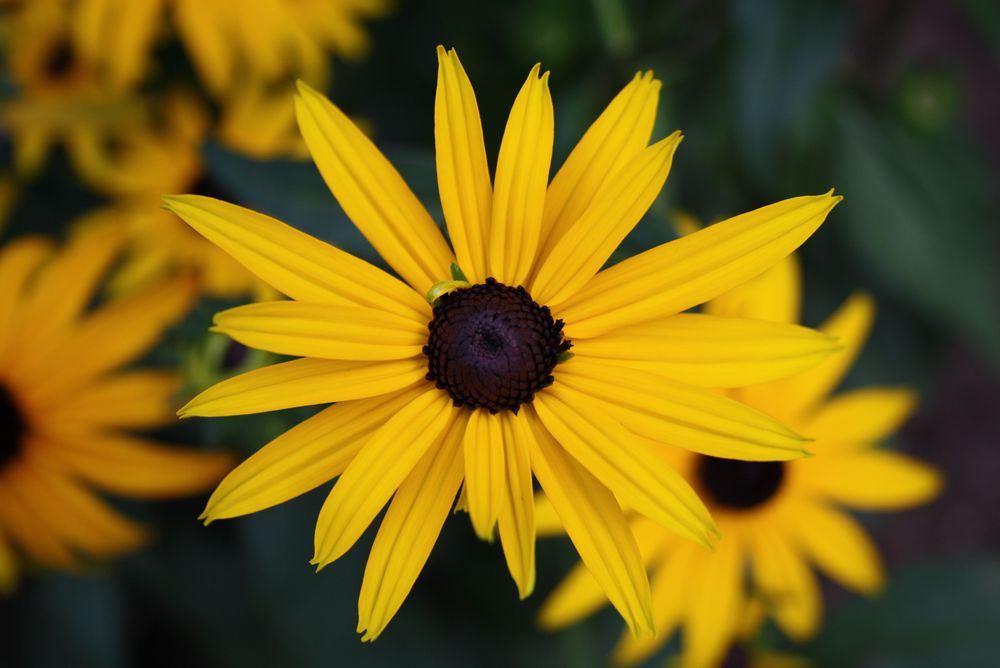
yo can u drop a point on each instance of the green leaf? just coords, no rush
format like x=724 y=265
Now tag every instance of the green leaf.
x=940 y=614
x=916 y=213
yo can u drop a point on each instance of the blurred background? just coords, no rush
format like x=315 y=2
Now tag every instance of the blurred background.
x=893 y=102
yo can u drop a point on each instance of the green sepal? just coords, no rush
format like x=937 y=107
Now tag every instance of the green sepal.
x=457 y=273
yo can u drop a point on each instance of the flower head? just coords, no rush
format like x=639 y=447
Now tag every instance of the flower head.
x=776 y=518
x=476 y=387
x=65 y=405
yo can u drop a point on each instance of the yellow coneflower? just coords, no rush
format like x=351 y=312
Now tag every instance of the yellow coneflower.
x=776 y=518
x=65 y=406
x=480 y=387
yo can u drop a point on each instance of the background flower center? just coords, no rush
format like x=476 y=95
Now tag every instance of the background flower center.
x=491 y=346
x=737 y=484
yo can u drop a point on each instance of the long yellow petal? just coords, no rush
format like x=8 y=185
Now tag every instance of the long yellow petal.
x=18 y=261
x=711 y=351
x=372 y=192
x=691 y=270
x=796 y=396
x=134 y=400
x=462 y=172
x=680 y=415
x=617 y=207
x=862 y=417
x=376 y=472
x=784 y=583
x=27 y=528
x=873 y=480
x=321 y=330
x=517 y=510
x=621 y=461
x=110 y=337
x=579 y=594
x=137 y=467
x=409 y=531
x=715 y=605
x=483 y=447
x=839 y=546
x=206 y=44
x=76 y=516
x=304 y=457
x=597 y=526
x=304 y=382
x=294 y=263
x=619 y=133
x=774 y=296
x=522 y=175
x=547 y=522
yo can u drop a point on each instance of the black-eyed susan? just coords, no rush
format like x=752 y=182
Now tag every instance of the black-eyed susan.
x=481 y=387
x=776 y=518
x=66 y=407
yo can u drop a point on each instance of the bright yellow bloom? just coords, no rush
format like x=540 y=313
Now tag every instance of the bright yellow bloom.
x=479 y=388
x=65 y=405
x=776 y=518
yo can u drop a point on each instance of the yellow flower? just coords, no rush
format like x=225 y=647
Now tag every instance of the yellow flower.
x=65 y=406
x=228 y=43
x=776 y=518
x=473 y=388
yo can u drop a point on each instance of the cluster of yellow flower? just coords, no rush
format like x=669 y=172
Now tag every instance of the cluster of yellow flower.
x=85 y=79
x=692 y=447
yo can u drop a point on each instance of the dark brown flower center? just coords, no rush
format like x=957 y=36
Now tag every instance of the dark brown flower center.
x=60 y=60
x=736 y=484
x=491 y=346
x=12 y=427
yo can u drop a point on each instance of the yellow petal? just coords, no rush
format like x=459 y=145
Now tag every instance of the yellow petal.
x=774 y=296
x=25 y=525
x=579 y=594
x=206 y=44
x=409 y=531
x=294 y=263
x=136 y=467
x=304 y=382
x=376 y=472
x=521 y=177
x=619 y=204
x=716 y=600
x=483 y=446
x=112 y=336
x=462 y=172
x=619 y=133
x=372 y=193
x=711 y=351
x=547 y=522
x=321 y=330
x=873 y=480
x=839 y=546
x=18 y=261
x=304 y=457
x=517 y=511
x=77 y=517
x=785 y=584
x=861 y=417
x=796 y=396
x=135 y=400
x=684 y=416
x=691 y=270
x=597 y=526
x=621 y=461
x=672 y=584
